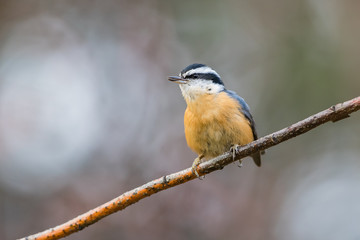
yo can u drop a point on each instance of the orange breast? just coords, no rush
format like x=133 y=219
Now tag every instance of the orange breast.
x=213 y=123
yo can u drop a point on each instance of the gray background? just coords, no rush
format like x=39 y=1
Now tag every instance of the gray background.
x=87 y=113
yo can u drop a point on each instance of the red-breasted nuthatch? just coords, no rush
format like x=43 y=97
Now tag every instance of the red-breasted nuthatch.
x=216 y=119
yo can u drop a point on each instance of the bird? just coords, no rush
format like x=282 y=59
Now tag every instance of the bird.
x=216 y=119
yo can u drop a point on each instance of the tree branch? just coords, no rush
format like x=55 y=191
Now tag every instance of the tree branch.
x=334 y=113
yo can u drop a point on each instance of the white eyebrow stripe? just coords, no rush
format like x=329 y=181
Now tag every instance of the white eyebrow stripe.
x=201 y=70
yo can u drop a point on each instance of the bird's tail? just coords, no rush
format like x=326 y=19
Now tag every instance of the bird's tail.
x=257 y=158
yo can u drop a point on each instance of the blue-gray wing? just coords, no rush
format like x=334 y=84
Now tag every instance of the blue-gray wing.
x=245 y=109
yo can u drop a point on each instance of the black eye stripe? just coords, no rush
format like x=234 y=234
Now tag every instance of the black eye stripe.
x=207 y=76
x=192 y=76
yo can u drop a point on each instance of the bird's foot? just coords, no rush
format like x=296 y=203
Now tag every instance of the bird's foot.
x=234 y=150
x=196 y=162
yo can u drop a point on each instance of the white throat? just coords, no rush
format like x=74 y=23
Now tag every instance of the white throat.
x=197 y=88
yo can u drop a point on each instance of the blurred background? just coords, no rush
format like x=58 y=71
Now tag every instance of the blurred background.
x=87 y=113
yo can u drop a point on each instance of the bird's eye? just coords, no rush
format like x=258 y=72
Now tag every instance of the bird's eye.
x=195 y=76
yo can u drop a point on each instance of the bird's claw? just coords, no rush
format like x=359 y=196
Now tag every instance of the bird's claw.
x=196 y=162
x=234 y=150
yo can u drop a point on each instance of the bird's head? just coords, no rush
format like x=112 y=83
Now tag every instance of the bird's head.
x=198 y=79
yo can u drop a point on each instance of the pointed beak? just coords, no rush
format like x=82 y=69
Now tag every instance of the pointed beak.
x=177 y=79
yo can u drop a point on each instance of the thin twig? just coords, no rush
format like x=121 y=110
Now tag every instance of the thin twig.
x=334 y=113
